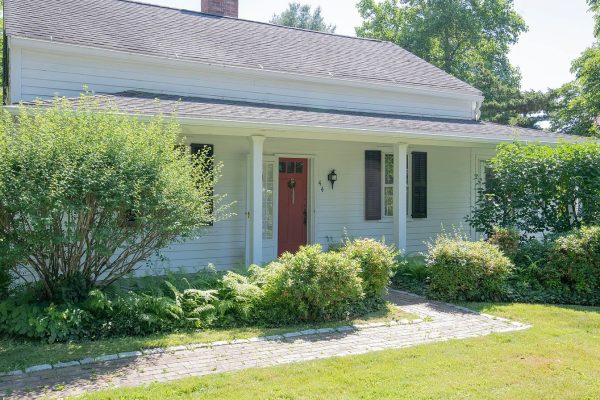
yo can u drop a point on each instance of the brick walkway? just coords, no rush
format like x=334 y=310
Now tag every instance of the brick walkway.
x=442 y=322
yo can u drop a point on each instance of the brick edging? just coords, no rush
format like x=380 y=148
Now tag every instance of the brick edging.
x=193 y=346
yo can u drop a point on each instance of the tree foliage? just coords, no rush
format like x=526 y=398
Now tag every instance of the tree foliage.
x=540 y=189
x=86 y=193
x=577 y=103
x=302 y=16
x=469 y=39
x=576 y=107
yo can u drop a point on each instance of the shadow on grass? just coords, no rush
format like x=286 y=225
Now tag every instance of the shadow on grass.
x=96 y=376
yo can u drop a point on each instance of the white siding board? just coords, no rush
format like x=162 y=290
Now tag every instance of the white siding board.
x=47 y=74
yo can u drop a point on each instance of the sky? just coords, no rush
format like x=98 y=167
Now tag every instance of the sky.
x=559 y=30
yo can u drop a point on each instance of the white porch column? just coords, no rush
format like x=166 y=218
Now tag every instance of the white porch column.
x=400 y=152
x=255 y=199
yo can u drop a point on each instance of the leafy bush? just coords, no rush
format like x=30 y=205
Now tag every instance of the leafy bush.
x=540 y=189
x=309 y=286
x=5 y=282
x=468 y=271
x=507 y=240
x=377 y=265
x=86 y=193
x=47 y=322
x=563 y=270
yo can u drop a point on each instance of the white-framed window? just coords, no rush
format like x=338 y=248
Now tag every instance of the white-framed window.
x=267 y=203
x=388 y=185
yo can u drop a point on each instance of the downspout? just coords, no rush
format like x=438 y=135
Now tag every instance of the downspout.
x=477 y=110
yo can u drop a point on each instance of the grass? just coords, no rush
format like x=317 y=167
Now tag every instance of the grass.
x=21 y=354
x=558 y=358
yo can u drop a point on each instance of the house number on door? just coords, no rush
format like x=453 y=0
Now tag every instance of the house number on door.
x=292 y=185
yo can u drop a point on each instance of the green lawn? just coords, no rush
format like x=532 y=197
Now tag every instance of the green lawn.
x=559 y=358
x=21 y=354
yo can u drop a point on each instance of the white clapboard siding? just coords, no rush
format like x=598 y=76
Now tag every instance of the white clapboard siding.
x=46 y=74
x=335 y=211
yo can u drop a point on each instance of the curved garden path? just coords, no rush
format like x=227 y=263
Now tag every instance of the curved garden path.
x=439 y=322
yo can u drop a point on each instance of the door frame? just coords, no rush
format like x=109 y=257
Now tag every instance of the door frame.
x=311 y=228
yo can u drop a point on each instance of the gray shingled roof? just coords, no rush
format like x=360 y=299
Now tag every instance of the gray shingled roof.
x=192 y=36
x=141 y=103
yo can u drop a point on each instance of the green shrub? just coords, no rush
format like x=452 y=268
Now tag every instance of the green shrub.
x=46 y=322
x=80 y=182
x=377 y=265
x=507 y=240
x=5 y=282
x=540 y=189
x=564 y=269
x=467 y=271
x=576 y=258
x=309 y=286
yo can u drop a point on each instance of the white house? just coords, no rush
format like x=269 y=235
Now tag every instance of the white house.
x=286 y=110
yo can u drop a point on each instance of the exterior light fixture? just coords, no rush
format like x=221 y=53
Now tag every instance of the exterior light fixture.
x=332 y=177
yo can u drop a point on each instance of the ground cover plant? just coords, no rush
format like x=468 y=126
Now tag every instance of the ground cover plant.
x=310 y=288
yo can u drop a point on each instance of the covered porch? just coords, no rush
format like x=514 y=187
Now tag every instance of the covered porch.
x=400 y=178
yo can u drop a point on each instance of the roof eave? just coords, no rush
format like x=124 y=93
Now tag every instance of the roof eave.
x=396 y=134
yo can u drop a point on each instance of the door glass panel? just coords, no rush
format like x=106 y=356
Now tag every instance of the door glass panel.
x=299 y=167
x=389 y=169
x=281 y=166
x=290 y=167
x=267 y=204
x=389 y=201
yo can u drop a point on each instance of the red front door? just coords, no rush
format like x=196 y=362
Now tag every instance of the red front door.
x=293 y=202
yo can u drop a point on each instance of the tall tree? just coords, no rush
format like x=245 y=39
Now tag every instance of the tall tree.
x=301 y=16
x=469 y=39
x=577 y=103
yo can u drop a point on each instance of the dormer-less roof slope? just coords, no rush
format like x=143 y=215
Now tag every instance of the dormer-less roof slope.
x=192 y=36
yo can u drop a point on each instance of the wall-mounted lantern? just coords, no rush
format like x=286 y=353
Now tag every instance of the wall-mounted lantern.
x=332 y=177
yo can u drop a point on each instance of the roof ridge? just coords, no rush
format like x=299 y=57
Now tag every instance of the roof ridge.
x=143 y=3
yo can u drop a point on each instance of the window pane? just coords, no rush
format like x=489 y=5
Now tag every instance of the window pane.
x=281 y=166
x=290 y=167
x=299 y=167
x=389 y=169
x=267 y=205
x=389 y=201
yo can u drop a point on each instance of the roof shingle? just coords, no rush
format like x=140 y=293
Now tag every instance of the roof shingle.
x=146 y=29
x=141 y=103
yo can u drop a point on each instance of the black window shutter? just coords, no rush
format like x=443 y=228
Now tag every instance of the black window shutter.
x=372 y=185
x=419 y=184
x=210 y=152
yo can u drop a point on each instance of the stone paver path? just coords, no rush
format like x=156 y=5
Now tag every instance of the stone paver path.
x=442 y=322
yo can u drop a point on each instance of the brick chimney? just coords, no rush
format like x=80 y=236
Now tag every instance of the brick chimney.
x=227 y=8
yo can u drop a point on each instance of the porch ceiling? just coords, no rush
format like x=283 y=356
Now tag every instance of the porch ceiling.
x=195 y=108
